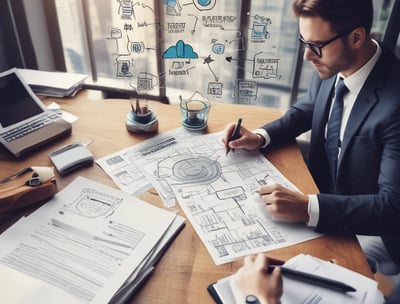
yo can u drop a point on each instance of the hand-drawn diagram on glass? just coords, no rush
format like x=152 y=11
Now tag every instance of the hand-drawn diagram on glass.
x=125 y=9
x=173 y=7
x=259 y=30
x=136 y=35
x=130 y=48
x=180 y=50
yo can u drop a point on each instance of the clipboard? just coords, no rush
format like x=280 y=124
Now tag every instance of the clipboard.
x=213 y=293
x=224 y=287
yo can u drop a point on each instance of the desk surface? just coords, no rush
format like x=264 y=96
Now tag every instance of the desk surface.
x=183 y=273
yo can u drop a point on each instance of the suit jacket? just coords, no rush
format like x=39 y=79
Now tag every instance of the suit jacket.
x=366 y=197
x=394 y=296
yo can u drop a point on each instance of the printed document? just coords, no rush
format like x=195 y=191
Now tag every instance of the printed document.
x=87 y=240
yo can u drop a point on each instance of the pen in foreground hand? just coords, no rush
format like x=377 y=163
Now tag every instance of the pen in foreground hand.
x=235 y=134
x=314 y=279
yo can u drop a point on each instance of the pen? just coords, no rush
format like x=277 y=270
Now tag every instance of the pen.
x=235 y=134
x=314 y=279
x=137 y=107
x=133 y=109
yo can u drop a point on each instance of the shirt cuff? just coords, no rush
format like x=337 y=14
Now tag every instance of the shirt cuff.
x=313 y=210
x=264 y=134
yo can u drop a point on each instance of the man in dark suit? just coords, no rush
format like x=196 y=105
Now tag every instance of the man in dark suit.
x=359 y=182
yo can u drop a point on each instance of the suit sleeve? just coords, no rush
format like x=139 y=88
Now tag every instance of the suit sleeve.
x=297 y=119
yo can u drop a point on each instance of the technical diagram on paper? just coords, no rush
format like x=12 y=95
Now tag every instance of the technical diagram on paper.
x=218 y=194
x=125 y=167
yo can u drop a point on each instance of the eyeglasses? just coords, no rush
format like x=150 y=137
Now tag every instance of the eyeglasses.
x=316 y=48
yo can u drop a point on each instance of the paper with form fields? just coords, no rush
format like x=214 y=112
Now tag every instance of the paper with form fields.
x=295 y=291
x=216 y=192
x=87 y=240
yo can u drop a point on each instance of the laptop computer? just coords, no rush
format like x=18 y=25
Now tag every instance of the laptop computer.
x=25 y=122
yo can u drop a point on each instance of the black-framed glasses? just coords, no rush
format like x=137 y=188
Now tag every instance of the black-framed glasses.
x=316 y=48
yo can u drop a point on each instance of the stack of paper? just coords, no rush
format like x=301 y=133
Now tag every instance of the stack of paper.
x=56 y=84
x=92 y=242
x=297 y=291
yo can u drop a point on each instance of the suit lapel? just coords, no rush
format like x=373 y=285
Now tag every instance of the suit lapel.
x=366 y=100
x=321 y=110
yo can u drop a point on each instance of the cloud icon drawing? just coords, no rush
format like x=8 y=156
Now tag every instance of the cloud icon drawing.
x=180 y=50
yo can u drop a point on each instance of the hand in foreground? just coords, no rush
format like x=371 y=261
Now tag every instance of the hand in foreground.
x=247 y=140
x=253 y=279
x=284 y=204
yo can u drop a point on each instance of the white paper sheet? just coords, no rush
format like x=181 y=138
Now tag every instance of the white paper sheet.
x=86 y=241
x=15 y=284
x=295 y=291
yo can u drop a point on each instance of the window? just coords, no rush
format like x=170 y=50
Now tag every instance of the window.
x=228 y=51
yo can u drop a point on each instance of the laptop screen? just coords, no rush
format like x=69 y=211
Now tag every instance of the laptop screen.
x=16 y=104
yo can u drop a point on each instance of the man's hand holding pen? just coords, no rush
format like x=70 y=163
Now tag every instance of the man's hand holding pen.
x=282 y=203
x=245 y=140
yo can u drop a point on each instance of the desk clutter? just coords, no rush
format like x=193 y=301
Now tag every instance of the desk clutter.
x=90 y=243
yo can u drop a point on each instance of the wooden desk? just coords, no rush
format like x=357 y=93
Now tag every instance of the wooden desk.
x=183 y=273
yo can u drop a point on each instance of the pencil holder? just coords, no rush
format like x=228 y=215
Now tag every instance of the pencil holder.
x=139 y=123
x=143 y=118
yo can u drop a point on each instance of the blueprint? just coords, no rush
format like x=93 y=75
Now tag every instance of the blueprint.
x=218 y=193
x=125 y=167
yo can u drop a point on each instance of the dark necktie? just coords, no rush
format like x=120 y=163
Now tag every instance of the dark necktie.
x=332 y=142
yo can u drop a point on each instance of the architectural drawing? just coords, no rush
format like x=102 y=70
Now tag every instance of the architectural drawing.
x=217 y=192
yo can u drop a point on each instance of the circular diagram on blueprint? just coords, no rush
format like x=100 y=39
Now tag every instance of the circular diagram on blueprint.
x=190 y=169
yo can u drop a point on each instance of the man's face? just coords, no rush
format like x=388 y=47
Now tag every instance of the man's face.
x=335 y=56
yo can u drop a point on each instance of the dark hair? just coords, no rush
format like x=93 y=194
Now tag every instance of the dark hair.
x=343 y=15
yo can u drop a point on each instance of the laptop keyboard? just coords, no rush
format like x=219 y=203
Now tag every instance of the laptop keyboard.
x=30 y=127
